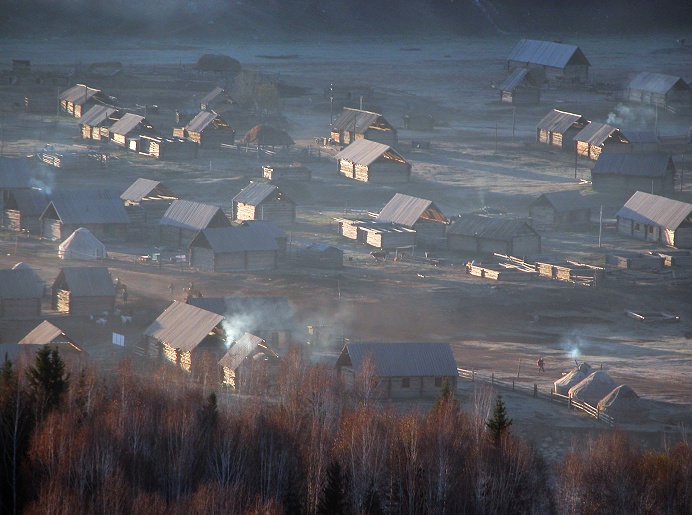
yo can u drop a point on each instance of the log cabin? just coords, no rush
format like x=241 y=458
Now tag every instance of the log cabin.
x=654 y=173
x=558 y=129
x=20 y=293
x=273 y=231
x=521 y=88
x=597 y=138
x=209 y=130
x=217 y=100
x=127 y=131
x=657 y=89
x=266 y=136
x=184 y=219
x=656 y=219
x=240 y=363
x=487 y=235
x=233 y=249
x=23 y=210
x=369 y=161
x=260 y=201
x=320 y=255
x=146 y=201
x=83 y=291
x=559 y=210
x=78 y=99
x=559 y=61
x=294 y=172
x=96 y=122
x=355 y=124
x=16 y=174
x=418 y=214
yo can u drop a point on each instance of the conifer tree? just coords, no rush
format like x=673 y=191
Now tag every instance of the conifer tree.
x=332 y=501
x=498 y=424
x=47 y=379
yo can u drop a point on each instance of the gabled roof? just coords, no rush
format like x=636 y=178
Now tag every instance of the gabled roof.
x=15 y=173
x=255 y=193
x=657 y=83
x=640 y=137
x=243 y=349
x=235 y=239
x=401 y=359
x=203 y=120
x=142 y=189
x=46 y=333
x=29 y=202
x=96 y=115
x=406 y=210
x=366 y=152
x=183 y=326
x=129 y=122
x=87 y=281
x=20 y=284
x=75 y=207
x=268 y=226
x=486 y=227
x=210 y=97
x=646 y=165
x=649 y=209
x=253 y=313
x=319 y=248
x=595 y=133
x=547 y=53
x=267 y=135
x=516 y=79
x=564 y=201
x=359 y=121
x=190 y=215
x=78 y=93
x=559 y=121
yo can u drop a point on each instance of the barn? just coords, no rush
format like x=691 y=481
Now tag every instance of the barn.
x=418 y=214
x=100 y=211
x=654 y=173
x=559 y=210
x=127 y=131
x=264 y=136
x=320 y=255
x=20 y=293
x=23 y=210
x=209 y=130
x=559 y=61
x=183 y=334
x=656 y=219
x=643 y=142
x=260 y=201
x=355 y=124
x=483 y=234
x=83 y=290
x=184 y=219
x=521 y=88
x=80 y=98
x=597 y=138
x=294 y=172
x=146 y=201
x=217 y=100
x=369 y=161
x=96 y=122
x=240 y=362
x=558 y=128
x=233 y=249
x=272 y=230
x=657 y=89
x=402 y=370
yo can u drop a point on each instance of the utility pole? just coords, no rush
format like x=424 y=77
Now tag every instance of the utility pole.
x=331 y=105
x=495 y=138
x=600 y=227
x=514 y=118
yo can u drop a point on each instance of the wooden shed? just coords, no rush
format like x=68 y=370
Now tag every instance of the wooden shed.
x=47 y=333
x=558 y=128
x=127 y=131
x=521 y=88
x=264 y=136
x=597 y=138
x=403 y=370
x=217 y=100
x=559 y=210
x=83 y=290
x=294 y=172
x=654 y=173
x=78 y=99
x=96 y=122
x=273 y=231
x=381 y=235
x=369 y=161
x=484 y=234
x=100 y=211
x=209 y=130
x=233 y=249
x=23 y=210
x=15 y=174
x=419 y=214
x=183 y=334
x=355 y=124
x=247 y=352
x=168 y=148
x=146 y=201
x=657 y=219
x=320 y=255
x=559 y=61
x=184 y=219
x=20 y=293
x=260 y=201
x=657 y=89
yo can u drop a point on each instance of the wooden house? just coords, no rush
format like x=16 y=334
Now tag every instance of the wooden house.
x=270 y=318
x=233 y=249
x=642 y=142
x=558 y=129
x=654 y=173
x=96 y=122
x=183 y=333
x=23 y=210
x=656 y=219
x=273 y=231
x=47 y=333
x=355 y=124
x=559 y=62
x=184 y=219
x=294 y=172
x=320 y=255
x=418 y=214
x=83 y=290
x=259 y=201
x=483 y=234
x=209 y=130
x=247 y=352
x=217 y=100
x=20 y=293
x=402 y=370
x=100 y=211
x=266 y=136
x=521 y=88
x=80 y=98
x=381 y=235
x=559 y=210
x=168 y=148
x=660 y=90
x=369 y=161
x=597 y=138
x=146 y=201
x=127 y=131
x=15 y=174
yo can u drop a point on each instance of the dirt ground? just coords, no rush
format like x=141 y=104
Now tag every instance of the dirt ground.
x=483 y=156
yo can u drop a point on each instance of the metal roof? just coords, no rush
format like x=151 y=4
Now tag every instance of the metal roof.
x=127 y=123
x=640 y=136
x=202 y=120
x=242 y=349
x=20 y=284
x=406 y=210
x=209 y=97
x=45 y=333
x=359 y=121
x=366 y=152
x=29 y=202
x=79 y=92
x=657 y=83
x=486 y=227
x=564 y=201
x=646 y=165
x=547 y=53
x=559 y=121
x=183 y=326
x=595 y=133
x=190 y=215
x=255 y=193
x=655 y=210
x=318 y=248
x=87 y=207
x=253 y=313
x=87 y=281
x=268 y=226
x=402 y=359
x=143 y=188
x=235 y=239
x=96 y=115
x=15 y=173
x=515 y=79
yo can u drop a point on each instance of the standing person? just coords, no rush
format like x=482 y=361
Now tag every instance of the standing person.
x=540 y=364
x=124 y=297
x=171 y=289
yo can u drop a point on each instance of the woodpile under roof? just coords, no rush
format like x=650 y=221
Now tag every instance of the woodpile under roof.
x=266 y=135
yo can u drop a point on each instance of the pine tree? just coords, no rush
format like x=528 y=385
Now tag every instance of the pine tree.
x=332 y=501
x=47 y=379
x=498 y=424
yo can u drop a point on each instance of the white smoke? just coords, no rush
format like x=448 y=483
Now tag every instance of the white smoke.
x=574 y=346
x=626 y=116
x=236 y=325
x=43 y=180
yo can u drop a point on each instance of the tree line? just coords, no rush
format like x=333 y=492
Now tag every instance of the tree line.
x=84 y=441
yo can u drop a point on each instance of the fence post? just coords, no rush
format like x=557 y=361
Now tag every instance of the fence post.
x=535 y=390
x=512 y=384
x=569 y=402
x=598 y=413
x=473 y=375
x=492 y=378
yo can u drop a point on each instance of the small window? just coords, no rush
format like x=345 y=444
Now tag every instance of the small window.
x=636 y=227
x=438 y=382
x=651 y=229
x=406 y=382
